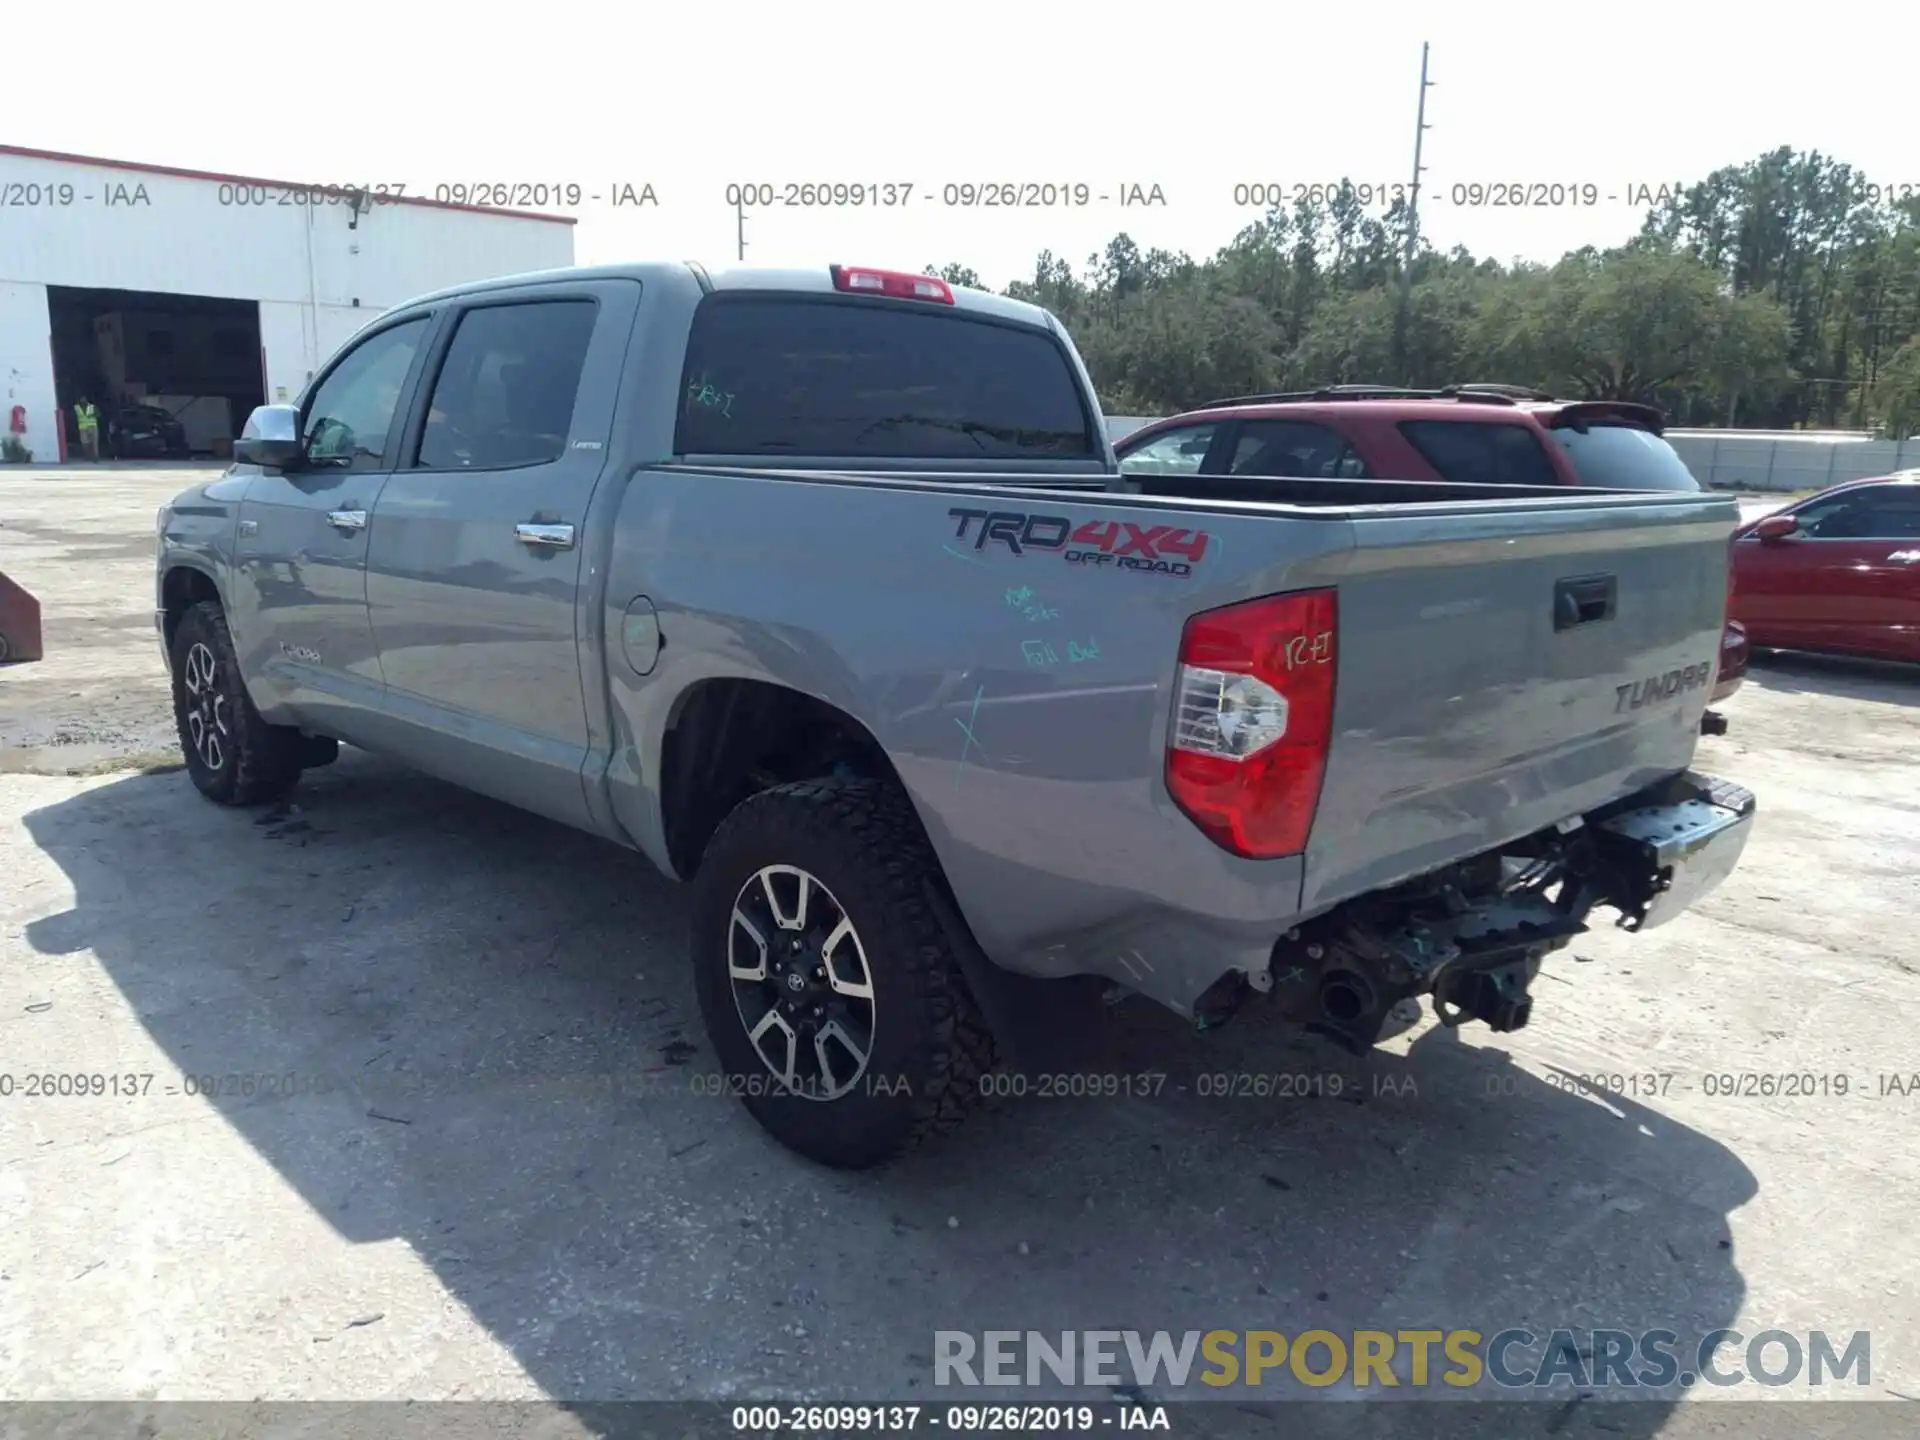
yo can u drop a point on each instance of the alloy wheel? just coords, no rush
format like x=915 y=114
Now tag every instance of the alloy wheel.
x=801 y=982
x=206 y=706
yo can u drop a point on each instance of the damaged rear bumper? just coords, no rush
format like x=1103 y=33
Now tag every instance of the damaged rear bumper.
x=1473 y=937
x=1687 y=846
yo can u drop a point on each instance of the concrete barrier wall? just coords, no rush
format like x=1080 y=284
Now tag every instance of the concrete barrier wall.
x=1761 y=462
x=1121 y=426
x=1730 y=458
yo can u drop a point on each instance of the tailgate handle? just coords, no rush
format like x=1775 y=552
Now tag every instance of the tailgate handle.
x=1583 y=600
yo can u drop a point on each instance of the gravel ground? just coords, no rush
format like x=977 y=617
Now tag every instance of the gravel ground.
x=487 y=1165
x=81 y=539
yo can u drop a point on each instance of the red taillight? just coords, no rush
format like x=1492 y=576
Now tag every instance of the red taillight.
x=1253 y=716
x=898 y=284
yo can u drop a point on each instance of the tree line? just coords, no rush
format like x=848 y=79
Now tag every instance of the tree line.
x=1780 y=293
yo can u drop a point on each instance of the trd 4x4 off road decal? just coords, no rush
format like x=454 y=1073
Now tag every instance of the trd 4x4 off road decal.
x=1121 y=544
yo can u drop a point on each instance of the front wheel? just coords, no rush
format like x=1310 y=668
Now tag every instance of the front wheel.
x=233 y=756
x=829 y=988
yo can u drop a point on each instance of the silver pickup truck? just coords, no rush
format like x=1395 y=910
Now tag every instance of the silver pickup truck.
x=822 y=590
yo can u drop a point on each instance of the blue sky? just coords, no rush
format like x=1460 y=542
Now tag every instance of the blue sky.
x=1192 y=100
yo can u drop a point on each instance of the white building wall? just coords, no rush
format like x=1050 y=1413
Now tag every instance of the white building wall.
x=1756 y=461
x=318 y=272
x=26 y=365
x=287 y=334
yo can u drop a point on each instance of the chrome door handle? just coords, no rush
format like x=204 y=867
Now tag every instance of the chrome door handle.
x=554 y=537
x=347 y=519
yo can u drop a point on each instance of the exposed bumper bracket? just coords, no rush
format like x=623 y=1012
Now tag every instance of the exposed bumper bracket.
x=1477 y=950
x=1666 y=856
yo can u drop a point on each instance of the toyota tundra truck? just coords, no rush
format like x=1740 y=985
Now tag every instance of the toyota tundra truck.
x=822 y=590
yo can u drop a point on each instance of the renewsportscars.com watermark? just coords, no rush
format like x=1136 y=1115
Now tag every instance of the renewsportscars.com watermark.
x=1510 y=1359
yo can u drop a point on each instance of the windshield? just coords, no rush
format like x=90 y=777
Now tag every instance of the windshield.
x=802 y=376
x=1622 y=457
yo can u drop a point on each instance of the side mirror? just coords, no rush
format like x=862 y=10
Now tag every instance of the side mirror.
x=271 y=438
x=1776 y=528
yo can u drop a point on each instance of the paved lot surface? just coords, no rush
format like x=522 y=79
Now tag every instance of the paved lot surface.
x=485 y=1165
x=82 y=541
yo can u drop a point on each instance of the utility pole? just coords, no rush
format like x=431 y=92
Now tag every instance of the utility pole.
x=1400 y=317
x=740 y=228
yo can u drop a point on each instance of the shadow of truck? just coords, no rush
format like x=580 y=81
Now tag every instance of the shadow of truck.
x=517 y=1088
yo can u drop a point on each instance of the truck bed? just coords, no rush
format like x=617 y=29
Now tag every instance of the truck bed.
x=1026 y=702
x=1186 y=491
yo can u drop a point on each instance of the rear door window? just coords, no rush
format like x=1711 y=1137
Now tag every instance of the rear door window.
x=505 y=393
x=1874 y=512
x=1481 y=452
x=1294 y=449
x=831 y=377
x=1624 y=457
x=1893 y=512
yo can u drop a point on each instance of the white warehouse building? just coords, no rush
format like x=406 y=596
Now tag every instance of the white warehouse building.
x=133 y=285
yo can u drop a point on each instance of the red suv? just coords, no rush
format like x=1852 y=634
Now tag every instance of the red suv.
x=1486 y=434
x=1489 y=434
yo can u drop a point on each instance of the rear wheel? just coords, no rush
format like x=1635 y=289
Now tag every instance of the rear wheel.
x=828 y=986
x=233 y=756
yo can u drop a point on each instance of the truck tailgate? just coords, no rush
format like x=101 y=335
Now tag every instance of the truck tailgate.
x=1504 y=667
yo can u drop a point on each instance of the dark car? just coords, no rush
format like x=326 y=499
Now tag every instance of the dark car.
x=146 y=432
x=1838 y=572
x=1487 y=434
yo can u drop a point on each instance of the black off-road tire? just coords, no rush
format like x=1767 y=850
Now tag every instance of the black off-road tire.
x=931 y=1049
x=257 y=762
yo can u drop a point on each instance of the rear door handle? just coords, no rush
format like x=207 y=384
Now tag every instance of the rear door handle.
x=549 y=537
x=1583 y=600
x=347 y=519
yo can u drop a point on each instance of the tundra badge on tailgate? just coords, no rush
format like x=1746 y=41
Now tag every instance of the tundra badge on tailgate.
x=1119 y=543
x=1661 y=687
